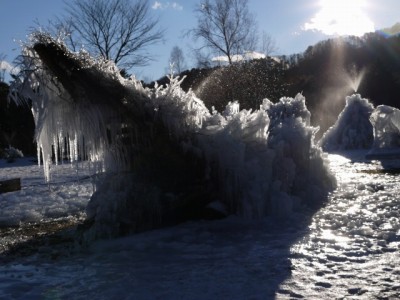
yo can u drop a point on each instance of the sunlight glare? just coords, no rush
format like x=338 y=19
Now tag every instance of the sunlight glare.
x=327 y=234
x=341 y=17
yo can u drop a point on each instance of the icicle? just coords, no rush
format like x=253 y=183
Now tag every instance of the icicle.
x=55 y=145
x=39 y=154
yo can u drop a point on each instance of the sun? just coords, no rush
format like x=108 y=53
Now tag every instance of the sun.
x=341 y=17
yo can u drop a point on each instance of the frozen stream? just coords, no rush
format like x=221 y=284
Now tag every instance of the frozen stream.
x=350 y=249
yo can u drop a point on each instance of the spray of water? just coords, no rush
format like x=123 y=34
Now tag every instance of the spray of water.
x=354 y=78
x=343 y=82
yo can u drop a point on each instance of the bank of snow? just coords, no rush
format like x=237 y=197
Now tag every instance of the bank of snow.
x=66 y=195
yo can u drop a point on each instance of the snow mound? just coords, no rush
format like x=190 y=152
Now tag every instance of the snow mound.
x=353 y=129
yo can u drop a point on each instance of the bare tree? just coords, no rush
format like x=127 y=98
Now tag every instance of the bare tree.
x=117 y=30
x=177 y=60
x=202 y=59
x=62 y=29
x=226 y=26
x=268 y=44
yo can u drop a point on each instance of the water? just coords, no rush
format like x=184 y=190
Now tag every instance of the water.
x=354 y=79
x=350 y=249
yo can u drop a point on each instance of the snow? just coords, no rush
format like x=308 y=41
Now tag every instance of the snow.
x=349 y=248
x=66 y=196
x=248 y=55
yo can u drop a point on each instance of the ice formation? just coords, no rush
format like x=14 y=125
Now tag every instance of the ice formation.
x=71 y=127
x=361 y=126
x=386 y=122
x=353 y=129
x=258 y=162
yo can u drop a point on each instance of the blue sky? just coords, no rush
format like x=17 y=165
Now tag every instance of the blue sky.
x=293 y=24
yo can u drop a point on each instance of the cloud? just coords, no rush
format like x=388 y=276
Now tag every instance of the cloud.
x=177 y=6
x=157 y=5
x=248 y=55
x=166 y=5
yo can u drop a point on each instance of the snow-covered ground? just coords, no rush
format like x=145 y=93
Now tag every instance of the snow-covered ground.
x=66 y=195
x=350 y=249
